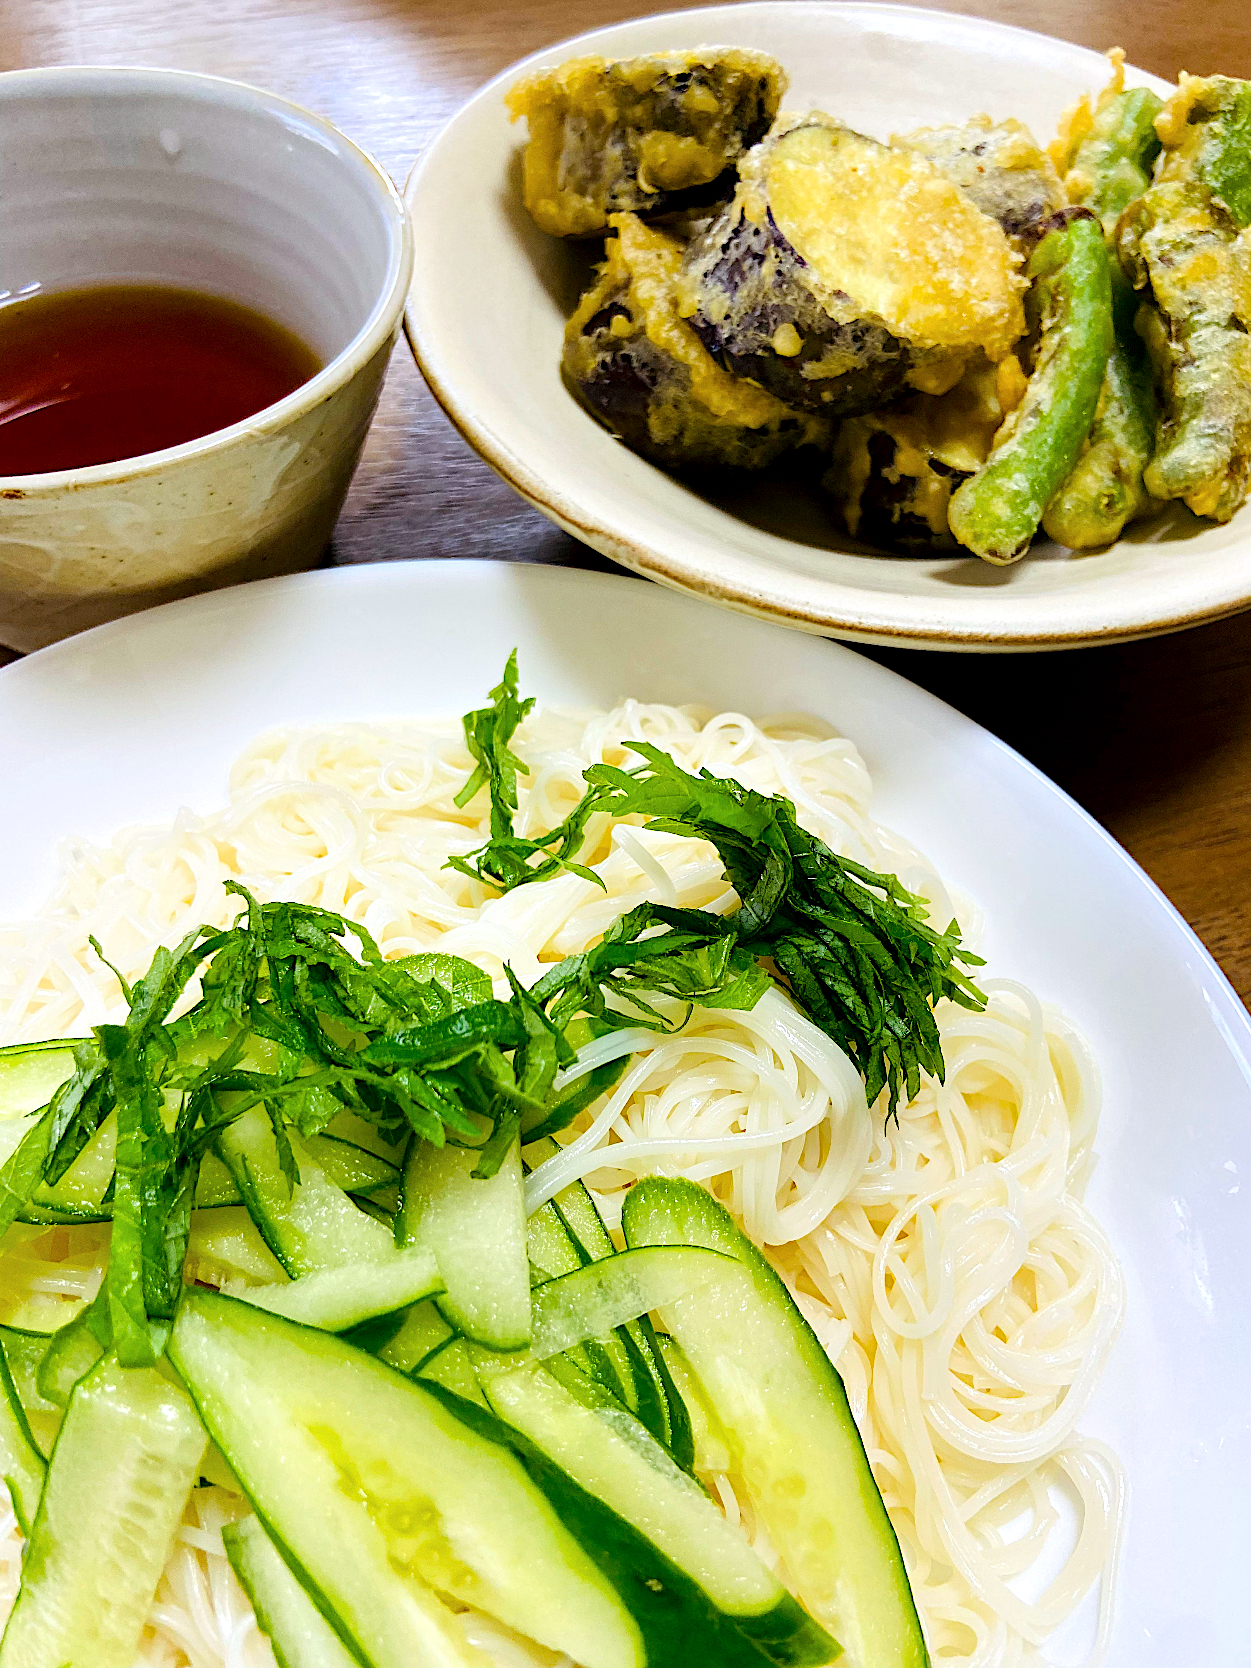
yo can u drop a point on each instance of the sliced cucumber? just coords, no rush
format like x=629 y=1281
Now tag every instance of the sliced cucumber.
x=707 y=1566
x=30 y=1074
x=422 y=1331
x=23 y=1356
x=22 y=1465
x=610 y=1359
x=71 y=1354
x=213 y=1469
x=337 y=1298
x=581 y=1216
x=549 y=1244
x=595 y=1299
x=215 y=1186
x=451 y=1365
x=710 y=1449
x=226 y=1244
x=477 y=1231
x=351 y=1167
x=344 y=1163
x=552 y=1252
x=632 y=1356
x=300 y=1634
x=791 y=1432
x=351 y=1127
x=680 y=1439
x=309 y=1227
x=80 y=1195
x=120 y=1475
x=373 y=1334
x=371 y=1486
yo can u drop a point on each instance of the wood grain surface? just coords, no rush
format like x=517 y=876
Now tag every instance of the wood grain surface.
x=1153 y=738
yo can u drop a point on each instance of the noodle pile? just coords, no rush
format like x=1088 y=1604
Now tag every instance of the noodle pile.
x=945 y=1259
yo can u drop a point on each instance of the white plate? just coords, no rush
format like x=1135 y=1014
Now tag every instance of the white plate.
x=133 y=720
x=491 y=293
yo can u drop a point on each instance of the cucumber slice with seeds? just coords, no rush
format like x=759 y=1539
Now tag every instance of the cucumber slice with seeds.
x=706 y=1561
x=119 y=1478
x=677 y=1626
x=375 y=1491
x=791 y=1432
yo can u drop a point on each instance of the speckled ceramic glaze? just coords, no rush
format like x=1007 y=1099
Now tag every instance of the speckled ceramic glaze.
x=159 y=176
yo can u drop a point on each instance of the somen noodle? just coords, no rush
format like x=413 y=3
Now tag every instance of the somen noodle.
x=945 y=1258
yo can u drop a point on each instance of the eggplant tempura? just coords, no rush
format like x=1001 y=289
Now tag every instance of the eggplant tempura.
x=970 y=338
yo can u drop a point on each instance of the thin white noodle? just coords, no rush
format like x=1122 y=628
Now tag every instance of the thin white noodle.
x=945 y=1260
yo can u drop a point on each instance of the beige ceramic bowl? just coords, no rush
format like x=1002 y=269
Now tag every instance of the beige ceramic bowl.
x=108 y=175
x=487 y=313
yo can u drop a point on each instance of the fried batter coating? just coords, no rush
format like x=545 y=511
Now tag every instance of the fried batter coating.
x=646 y=135
x=845 y=270
x=642 y=370
x=1189 y=237
x=998 y=165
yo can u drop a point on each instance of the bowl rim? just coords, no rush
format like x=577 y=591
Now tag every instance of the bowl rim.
x=380 y=323
x=861 y=621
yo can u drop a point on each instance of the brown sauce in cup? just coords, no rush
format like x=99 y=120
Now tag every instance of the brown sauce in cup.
x=114 y=371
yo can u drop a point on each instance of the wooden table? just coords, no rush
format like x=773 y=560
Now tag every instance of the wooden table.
x=1153 y=738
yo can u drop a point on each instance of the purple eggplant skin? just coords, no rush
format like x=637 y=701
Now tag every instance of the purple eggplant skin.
x=1001 y=168
x=655 y=136
x=889 y=508
x=846 y=273
x=627 y=373
x=892 y=473
x=751 y=269
x=642 y=372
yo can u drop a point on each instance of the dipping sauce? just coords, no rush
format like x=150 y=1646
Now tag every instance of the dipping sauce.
x=94 y=375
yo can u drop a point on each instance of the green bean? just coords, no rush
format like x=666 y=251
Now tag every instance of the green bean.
x=1110 y=169
x=1187 y=237
x=1105 y=490
x=1112 y=164
x=996 y=512
x=1224 y=160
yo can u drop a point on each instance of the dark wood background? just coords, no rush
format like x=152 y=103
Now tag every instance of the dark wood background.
x=1153 y=738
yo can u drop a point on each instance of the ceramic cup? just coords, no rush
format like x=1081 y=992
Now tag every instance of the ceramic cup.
x=110 y=175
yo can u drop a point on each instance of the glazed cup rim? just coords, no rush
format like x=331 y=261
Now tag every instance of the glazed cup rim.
x=381 y=323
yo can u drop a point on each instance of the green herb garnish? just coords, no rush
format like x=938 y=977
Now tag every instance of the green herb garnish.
x=293 y=1017
x=506 y=860
x=854 y=947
